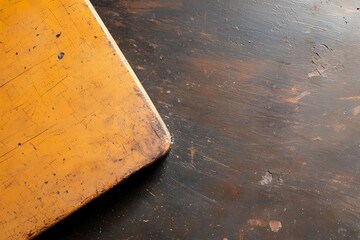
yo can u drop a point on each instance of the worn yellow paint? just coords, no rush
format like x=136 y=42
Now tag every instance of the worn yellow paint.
x=70 y=128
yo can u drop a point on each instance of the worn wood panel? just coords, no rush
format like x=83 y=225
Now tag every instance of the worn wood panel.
x=246 y=87
x=74 y=121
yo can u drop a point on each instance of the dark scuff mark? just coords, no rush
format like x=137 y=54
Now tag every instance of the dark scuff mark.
x=117 y=160
x=326 y=46
x=33 y=146
x=30 y=234
x=61 y=55
x=58 y=35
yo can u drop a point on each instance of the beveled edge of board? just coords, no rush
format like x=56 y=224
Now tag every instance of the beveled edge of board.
x=131 y=71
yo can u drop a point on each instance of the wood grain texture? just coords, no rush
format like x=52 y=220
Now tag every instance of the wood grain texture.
x=74 y=121
x=262 y=99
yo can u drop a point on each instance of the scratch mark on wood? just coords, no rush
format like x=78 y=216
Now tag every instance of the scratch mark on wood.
x=350 y=98
x=19 y=144
x=195 y=192
x=192 y=153
x=298 y=98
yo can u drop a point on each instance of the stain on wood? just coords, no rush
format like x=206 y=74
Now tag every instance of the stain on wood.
x=75 y=119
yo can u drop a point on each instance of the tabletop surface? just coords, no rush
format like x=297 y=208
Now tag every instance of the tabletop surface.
x=262 y=100
x=74 y=120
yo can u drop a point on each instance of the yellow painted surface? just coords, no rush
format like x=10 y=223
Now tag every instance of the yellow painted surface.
x=70 y=128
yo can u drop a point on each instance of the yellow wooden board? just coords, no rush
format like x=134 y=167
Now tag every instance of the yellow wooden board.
x=74 y=119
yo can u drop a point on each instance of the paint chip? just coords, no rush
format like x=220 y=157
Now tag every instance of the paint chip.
x=266 y=179
x=140 y=68
x=356 y=110
x=275 y=226
x=257 y=223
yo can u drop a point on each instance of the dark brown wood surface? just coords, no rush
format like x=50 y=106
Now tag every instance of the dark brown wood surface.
x=263 y=102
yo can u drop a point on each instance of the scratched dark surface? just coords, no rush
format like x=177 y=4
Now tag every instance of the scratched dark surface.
x=263 y=102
